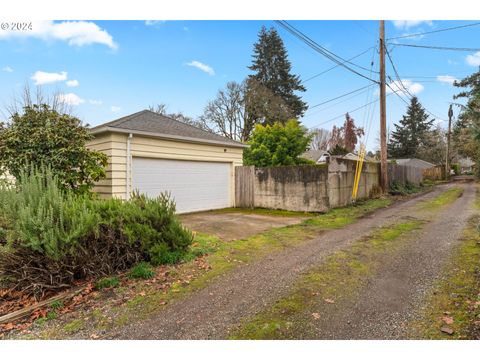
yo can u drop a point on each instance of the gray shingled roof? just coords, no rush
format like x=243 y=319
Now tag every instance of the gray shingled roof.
x=150 y=123
x=422 y=164
x=314 y=155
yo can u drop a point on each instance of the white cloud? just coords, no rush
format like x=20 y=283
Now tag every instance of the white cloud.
x=204 y=67
x=7 y=69
x=446 y=79
x=412 y=87
x=154 y=22
x=72 y=83
x=42 y=77
x=407 y=24
x=473 y=60
x=95 y=102
x=76 y=33
x=70 y=99
x=116 y=108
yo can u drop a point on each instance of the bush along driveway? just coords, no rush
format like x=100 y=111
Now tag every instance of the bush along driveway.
x=207 y=297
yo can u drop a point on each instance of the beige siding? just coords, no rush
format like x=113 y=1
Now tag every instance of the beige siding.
x=115 y=146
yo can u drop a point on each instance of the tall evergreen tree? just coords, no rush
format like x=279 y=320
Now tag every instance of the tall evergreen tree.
x=272 y=70
x=411 y=134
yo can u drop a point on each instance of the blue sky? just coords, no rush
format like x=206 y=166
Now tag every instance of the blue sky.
x=108 y=69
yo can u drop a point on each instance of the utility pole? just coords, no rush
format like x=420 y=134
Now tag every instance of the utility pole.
x=447 y=160
x=383 y=113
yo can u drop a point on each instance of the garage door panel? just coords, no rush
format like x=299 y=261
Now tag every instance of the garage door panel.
x=194 y=185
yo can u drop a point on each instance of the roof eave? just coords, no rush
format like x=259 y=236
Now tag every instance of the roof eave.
x=102 y=129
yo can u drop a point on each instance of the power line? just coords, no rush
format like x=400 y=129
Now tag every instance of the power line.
x=434 y=31
x=350 y=111
x=337 y=103
x=335 y=66
x=437 y=47
x=405 y=90
x=340 y=96
x=323 y=51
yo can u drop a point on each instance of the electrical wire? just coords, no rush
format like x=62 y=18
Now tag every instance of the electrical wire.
x=340 y=96
x=433 y=31
x=335 y=66
x=437 y=47
x=323 y=51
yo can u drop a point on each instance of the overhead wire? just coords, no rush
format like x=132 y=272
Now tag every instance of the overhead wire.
x=323 y=51
x=433 y=31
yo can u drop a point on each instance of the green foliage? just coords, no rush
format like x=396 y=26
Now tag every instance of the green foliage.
x=108 y=282
x=456 y=169
x=277 y=144
x=338 y=150
x=410 y=135
x=56 y=237
x=272 y=70
x=142 y=270
x=397 y=188
x=56 y=305
x=41 y=135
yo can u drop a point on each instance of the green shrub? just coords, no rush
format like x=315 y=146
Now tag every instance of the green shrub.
x=142 y=270
x=51 y=238
x=108 y=282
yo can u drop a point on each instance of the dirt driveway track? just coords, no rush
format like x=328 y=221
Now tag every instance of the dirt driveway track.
x=389 y=300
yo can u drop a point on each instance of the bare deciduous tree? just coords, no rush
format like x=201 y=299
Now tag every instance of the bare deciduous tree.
x=27 y=98
x=161 y=109
x=320 y=140
x=225 y=115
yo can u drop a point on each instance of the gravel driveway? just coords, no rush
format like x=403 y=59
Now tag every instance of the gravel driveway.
x=212 y=312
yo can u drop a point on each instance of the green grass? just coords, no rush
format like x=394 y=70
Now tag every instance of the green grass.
x=457 y=295
x=74 y=326
x=339 y=276
x=142 y=270
x=109 y=282
x=262 y=211
x=447 y=197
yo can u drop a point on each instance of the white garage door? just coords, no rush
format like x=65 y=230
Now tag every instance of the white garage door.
x=194 y=185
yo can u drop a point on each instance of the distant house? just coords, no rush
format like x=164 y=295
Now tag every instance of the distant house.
x=466 y=165
x=417 y=163
x=355 y=157
x=319 y=156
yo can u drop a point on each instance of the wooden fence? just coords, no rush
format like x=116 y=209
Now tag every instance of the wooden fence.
x=244 y=186
x=435 y=173
x=401 y=174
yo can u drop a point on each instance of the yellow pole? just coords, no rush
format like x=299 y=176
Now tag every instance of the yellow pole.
x=358 y=171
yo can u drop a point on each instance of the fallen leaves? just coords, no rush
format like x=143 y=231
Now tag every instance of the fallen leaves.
x=329 y=301
x=316 y=316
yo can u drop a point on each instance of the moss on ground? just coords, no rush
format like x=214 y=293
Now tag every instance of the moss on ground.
x=455 y=302
x=262 y=211
x=340 y=275
x=447 y=197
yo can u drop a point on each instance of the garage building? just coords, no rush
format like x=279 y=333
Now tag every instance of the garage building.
x=153 y=153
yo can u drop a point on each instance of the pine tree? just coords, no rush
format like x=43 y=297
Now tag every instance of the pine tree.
x=272 y=70
x=411 y=133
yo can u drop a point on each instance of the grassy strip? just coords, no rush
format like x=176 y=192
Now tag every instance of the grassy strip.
x=455 y=303
x=447 y=197
x=262 y=211
x=341 y=274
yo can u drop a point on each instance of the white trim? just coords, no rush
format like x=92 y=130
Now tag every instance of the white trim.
x=129 y=167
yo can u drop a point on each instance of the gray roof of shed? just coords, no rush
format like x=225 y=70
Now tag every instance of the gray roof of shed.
x=314 y=155
x=419 y=163
x=149 y=123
